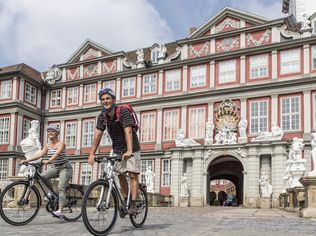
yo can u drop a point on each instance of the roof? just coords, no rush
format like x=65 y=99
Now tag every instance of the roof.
x=27 y=70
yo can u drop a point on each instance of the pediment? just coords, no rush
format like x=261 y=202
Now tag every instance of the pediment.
x=89 y=50
x=228 y=19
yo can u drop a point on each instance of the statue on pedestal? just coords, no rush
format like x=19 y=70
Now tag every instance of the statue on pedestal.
x=181 y=141
x=275 y=134
x=162 y=52
x=140 y=58
x=149 y=176
x=209 y=133
x=265 y=186
x=30 y=145
x=184 y=186
x=313 y=144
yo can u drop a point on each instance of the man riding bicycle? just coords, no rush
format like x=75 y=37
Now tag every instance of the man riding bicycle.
x=55 y=150
x=124 y=141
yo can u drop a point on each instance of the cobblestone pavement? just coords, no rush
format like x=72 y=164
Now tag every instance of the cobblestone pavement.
x=217 y=221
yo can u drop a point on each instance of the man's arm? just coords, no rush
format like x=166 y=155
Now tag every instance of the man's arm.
x=129 y=142
x=96 y=141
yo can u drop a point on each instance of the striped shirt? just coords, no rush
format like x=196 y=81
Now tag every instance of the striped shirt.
x=115 y=129
x=61 y=159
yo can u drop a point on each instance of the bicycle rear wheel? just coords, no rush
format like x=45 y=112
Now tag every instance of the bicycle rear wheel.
x=97 y=217
x=72 y=210
x=19 y=203
x=139 y=218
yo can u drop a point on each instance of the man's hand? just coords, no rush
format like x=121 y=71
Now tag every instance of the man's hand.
x=127 y=155
x=91 y=159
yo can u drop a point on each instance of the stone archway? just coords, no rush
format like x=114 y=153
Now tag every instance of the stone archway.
x=226 y=167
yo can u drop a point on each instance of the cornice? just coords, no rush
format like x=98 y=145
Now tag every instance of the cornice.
x=19 y=107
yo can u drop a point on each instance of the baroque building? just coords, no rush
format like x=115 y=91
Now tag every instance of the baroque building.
x=240 y=87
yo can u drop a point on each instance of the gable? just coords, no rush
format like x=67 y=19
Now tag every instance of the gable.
x=89 y=50
x=228 y=19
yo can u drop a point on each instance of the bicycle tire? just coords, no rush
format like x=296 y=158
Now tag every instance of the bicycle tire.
x=74 y=195
x=142 y=204
x=9 y=204
x=90 y=212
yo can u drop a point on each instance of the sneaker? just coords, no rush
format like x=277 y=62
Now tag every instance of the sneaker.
x=59 y=214
x=132 y=210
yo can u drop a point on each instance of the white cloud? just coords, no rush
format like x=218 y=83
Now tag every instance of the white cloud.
x=45 y=32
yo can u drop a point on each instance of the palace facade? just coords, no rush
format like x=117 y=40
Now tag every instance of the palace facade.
x=264 y=69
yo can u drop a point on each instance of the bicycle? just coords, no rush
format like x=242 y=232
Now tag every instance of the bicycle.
x=20 y=201
x=103 y=200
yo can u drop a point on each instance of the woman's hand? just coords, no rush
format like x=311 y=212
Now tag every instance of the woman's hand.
x=45 y=162
x=23 y=161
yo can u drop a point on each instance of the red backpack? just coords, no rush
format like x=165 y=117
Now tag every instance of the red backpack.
x=131 y=110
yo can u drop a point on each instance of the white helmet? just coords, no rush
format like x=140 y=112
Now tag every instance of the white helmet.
x=53 y=127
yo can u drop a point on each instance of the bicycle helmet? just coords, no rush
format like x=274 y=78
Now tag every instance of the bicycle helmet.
x=106 y=91
x=53 y=127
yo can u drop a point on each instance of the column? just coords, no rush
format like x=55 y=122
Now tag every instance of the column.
x=243 y=108
x=307 y=115
x=39 y=98
x=176 y=170
x=12 y=129
x=157 y=170
x=159 y=129
x=306 y=60
x=81 y=71
x=63 y=98
x=242 y=40
x=64 y=75
x=252 y=193
x=62 y=130
x=79 y=135
x=15 y=84
x=185 y=78
x=184 y=119
x=119 y=64
x=138 y=86
x=99 y=67
x=118 y=89
x=160 y=82
x=274 y=109
x=196 y=198
x=19 y=129
x=213 y=46
x=242 y=69
x=22 y=84
x=47 y=98
x=81 y=95
x=274 y=64
x=212 y=74
x=210 y=116
x=275 y=34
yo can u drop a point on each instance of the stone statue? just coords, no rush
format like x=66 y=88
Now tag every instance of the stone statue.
x=53 y=74
x=184 y=186
x=162 y=52
x=181 y=141
x=242 y=125
x=265 y=186
x=296 y=150
x=305 y=22
x=313 y=144
x=140 y=58
x=275 y=134
x=209 y=129
x=30 y=145
x=149 y=176
x=225 y=136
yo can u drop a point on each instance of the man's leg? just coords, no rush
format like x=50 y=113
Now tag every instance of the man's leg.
x=124 y=185
x=134 y=185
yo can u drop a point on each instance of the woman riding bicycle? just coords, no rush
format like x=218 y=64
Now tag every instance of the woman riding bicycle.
x=55 y=150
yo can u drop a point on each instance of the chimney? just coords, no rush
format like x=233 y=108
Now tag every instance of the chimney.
x=192 y=29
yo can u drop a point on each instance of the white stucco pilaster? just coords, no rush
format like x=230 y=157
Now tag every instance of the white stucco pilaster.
x=118 y=89
x=212 y=74
x=274 y=64
x=184 y=52
x=183 y=125
x=274 y=109
x=185 y=78
x=275 y=34
x=306 y=60
x=159 y=127
x=242 y=69
x=307 y=113
x=139 y=86
x=160 y=82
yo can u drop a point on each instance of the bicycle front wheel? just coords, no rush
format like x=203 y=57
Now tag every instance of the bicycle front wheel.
x=98 y=215
x=72 y=210
x=19 y=203
x=139 y=218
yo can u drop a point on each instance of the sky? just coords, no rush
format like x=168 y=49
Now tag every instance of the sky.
x=42 y=33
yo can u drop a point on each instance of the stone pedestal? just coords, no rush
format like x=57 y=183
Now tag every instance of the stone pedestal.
x=290 y=207
x=309 y=184
x=184 y=202
x=208 y=141
x=264 y=202
x=297 y=169
x=283 y=200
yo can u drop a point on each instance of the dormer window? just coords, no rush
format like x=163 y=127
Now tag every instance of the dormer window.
x=154 y=55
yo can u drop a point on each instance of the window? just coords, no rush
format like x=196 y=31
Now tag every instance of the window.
x=4 y=130
x=3 y=169
x=290 y=113
x=89 y=93
x=30 y=93
x=55 y=100
x=150 y=84
x=258 y=117
x=314 y=56
x=148 y=127
x=88 y=129
x=166 y=173
x=128 y=87
x=71 y=133
x=26 y=127
x=290 y=61
x=144 y=166
x=197 y=122
x=227 y=71
x=72 y=96
x=106 y=139
x=154 y=55
x=198 y=76
x=86 y=174
x=171 y=124
x=6 y=89
x=109 y=84
x=173 y=78
x=258 y=66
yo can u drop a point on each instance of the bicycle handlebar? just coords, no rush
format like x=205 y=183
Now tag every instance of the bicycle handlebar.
x=36 y=165
x=117 y=157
